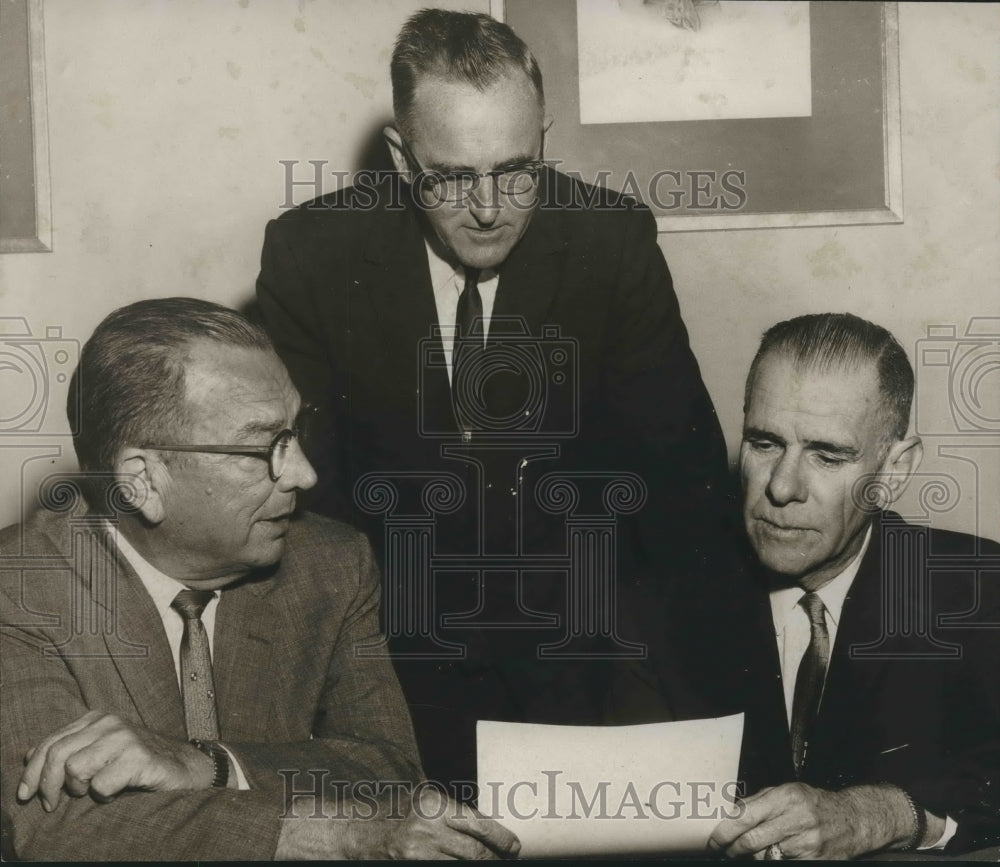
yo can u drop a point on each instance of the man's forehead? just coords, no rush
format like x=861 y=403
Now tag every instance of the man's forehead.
x=838 y=394
x=234 y=379
x=455 y=122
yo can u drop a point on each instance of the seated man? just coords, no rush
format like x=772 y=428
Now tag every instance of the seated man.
x=182 y=675
x=873 y=723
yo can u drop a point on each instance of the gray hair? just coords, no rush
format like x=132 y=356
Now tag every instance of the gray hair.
x=463 y=46
x=826 y=341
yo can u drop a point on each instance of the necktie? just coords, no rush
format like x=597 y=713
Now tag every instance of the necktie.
x=470 y=308
x=809 y=681
x=197 y=684
x=465 y=349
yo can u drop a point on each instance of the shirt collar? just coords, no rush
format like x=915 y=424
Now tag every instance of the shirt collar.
x=161 y=588
x=443 y=271
x=833 y=593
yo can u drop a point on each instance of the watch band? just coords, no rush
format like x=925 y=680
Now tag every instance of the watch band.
x=919 y=824
x=220 y=759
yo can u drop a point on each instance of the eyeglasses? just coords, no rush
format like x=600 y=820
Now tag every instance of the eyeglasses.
x=275 y=453
x=457 y=186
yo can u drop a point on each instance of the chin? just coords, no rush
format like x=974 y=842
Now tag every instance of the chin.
x=267 y=554
x=788 y=562
x=483 y=258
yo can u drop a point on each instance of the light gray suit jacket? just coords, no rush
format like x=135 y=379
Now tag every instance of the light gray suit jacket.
x=79 y=632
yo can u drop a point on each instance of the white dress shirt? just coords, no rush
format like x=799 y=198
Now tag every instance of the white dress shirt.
x=791 y=622
x=448 y=282
x=792 y=631
x=162 y=590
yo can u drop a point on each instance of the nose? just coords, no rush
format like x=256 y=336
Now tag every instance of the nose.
x=298 y=473
x=785 y=484
x=484 y=202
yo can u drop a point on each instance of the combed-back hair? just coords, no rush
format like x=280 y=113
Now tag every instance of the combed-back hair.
x=462 y=46
x=129 y=386
x=828 y=341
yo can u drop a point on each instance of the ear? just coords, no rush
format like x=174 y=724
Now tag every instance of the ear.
x=900 y=463
x=395 y=145
x=148 y=478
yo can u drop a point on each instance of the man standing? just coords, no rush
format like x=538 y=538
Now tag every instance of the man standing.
x=875 y=716
x=485 y=320
x=181 y=676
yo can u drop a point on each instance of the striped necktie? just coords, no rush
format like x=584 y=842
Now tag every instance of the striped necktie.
x=809 y=680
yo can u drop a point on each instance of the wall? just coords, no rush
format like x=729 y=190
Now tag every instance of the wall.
x=167 y=121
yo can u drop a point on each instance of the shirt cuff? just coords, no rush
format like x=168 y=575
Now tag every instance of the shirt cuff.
x=950 y=827
x=243 y=785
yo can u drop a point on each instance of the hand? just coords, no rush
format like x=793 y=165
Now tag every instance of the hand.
x=437 y=827
x=434 y=827
x=814 y=823
x=102 y=755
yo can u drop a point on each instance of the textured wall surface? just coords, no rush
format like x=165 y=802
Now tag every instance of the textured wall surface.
x=168 y=120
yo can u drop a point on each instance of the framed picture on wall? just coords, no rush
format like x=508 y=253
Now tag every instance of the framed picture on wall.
x=725 y=115
x=25 y=209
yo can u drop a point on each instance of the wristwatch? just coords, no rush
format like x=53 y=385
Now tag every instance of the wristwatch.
x=219 y=757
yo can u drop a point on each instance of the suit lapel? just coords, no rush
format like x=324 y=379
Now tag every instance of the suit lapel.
x=531 y=276
x=138 y=647
x=395 y=277
x=770 y=723
x=243 y=653
x=852 y=684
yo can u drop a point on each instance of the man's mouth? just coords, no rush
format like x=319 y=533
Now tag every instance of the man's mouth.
x=284 y=516
x=776 y=528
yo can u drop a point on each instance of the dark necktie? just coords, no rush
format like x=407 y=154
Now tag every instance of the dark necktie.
x=470 y=308
x=809 y=681
x=465 y=350
x=197 y=684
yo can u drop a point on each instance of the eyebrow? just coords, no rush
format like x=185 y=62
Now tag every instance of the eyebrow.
x=754 y=433
x=259 y=427
x=757 y=433
x=512 y=163
x=834 y=448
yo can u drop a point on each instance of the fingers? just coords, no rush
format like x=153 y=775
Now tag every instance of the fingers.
x=761 y=823
x=730 y=830
x=781 y=815
x=92 y=762
x=36 y=759
x=70 y=758
x=487 y=832
x=440 y=827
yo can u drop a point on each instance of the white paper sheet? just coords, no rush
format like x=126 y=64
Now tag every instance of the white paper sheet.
x=749 y=59
x=599 y=790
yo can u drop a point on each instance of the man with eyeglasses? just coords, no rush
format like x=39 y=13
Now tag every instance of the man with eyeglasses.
x=184 y=674
x=480 y=316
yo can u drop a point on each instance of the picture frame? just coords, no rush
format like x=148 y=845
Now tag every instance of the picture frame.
x=842 y=165
x=25 y=199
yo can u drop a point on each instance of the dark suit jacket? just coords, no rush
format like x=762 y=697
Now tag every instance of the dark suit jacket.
x=291 y=694
x=912 y=694
x=345 y=292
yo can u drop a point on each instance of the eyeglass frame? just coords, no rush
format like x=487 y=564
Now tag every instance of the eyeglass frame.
x=264 y=452
x=532 y=167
